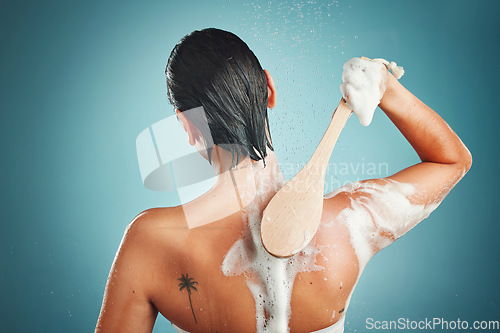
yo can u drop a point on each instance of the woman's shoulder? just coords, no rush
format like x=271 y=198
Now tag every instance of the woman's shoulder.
x=159 y=217
x=154 y=228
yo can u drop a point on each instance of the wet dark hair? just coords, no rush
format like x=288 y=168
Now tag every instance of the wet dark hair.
x=215 y=69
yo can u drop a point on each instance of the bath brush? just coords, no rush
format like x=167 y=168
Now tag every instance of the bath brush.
x=293 y=215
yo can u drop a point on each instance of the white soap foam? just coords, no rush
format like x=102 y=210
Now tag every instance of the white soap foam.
x=379 y=214
x=363 y=85
x=269 y=279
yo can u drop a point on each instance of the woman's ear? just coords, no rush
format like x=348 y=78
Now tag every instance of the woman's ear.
x=192 y=131
x=271 y=91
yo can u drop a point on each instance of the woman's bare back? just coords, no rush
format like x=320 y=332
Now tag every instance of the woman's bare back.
x=194 y=258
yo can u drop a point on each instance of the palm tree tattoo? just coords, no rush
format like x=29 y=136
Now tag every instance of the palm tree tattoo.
x=188 y=283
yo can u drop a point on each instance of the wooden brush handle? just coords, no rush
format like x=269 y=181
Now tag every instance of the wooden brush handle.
x=293 y=215
x=325 y=147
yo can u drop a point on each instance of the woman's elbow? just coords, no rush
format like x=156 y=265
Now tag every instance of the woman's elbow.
x=465 y=160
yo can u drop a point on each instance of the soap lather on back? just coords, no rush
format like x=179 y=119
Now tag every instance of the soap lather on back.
x=313 y=286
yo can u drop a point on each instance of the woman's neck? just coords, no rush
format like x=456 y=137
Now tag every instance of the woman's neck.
x=236 y=187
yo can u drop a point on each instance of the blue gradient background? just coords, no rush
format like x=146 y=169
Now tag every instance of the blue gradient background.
x=81 y=79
